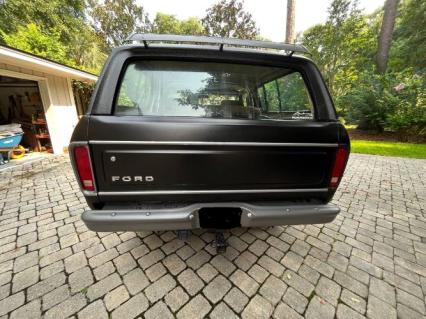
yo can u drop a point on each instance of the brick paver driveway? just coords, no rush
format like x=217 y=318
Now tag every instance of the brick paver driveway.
x=371 y=261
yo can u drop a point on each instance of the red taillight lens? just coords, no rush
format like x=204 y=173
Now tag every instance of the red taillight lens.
x=339 y=166
x=82 y=161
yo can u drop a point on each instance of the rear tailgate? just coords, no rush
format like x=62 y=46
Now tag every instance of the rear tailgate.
x=188 y=159
x=193 y=125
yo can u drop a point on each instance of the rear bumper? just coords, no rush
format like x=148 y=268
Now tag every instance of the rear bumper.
x=186 y=217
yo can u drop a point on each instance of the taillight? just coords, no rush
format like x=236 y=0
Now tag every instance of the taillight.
x=339 y=166
x=84 y=168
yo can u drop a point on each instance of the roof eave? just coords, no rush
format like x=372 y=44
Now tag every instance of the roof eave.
x=11 y=56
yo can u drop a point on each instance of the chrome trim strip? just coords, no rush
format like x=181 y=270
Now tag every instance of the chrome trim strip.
x=102 y=142
x=219 y=191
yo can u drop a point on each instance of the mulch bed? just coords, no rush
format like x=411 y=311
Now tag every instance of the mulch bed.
x=386 y=136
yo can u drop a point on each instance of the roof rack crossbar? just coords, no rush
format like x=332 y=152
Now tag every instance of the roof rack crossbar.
x=145 y=38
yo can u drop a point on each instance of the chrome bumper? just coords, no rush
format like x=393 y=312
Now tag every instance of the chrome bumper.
x=186 y=217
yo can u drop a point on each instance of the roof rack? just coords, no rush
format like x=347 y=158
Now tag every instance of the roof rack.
x=145 y=38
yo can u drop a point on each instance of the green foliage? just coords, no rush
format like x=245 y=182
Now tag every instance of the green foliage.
x=54 y=29
x=395 y=100
x=369 y=103
x=82 y=92
x=62 y=16
x=409 y=117
x=342 y=47
x=409 y=44
x=30 y=39
x=193 y=26
x=167 y=23
x=116 y=20
x=227 y=18
x=87 y=51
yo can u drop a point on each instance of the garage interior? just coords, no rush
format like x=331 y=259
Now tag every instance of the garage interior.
x=20 y=103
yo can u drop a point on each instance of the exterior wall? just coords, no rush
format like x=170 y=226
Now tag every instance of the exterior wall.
x=58 y=103
x=62 y=113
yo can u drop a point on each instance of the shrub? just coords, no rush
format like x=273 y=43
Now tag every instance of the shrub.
x=409 y=118
x=369 y=103
x=392 y=101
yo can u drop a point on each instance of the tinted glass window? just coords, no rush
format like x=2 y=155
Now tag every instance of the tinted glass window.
x=286 y=98
x=214 y=90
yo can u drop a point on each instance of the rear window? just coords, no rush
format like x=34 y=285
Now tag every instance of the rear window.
x=213 y=90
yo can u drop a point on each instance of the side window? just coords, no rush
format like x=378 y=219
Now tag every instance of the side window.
x=285 y=98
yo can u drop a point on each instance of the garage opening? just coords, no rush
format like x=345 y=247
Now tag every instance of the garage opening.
x=22 y=119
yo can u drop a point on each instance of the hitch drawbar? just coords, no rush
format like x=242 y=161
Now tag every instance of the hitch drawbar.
x=220 y=243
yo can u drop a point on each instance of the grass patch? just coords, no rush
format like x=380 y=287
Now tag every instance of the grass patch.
x=350 y=126
x=389 y=148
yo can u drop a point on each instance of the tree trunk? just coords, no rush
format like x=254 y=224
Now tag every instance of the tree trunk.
x=291 y=18
x=385 y=37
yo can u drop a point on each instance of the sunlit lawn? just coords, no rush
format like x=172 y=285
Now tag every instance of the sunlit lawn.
x=389 y=148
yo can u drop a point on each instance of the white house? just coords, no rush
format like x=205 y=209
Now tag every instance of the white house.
x=37 y=93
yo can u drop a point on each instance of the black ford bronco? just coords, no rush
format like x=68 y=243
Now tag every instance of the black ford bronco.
x=189 y=132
